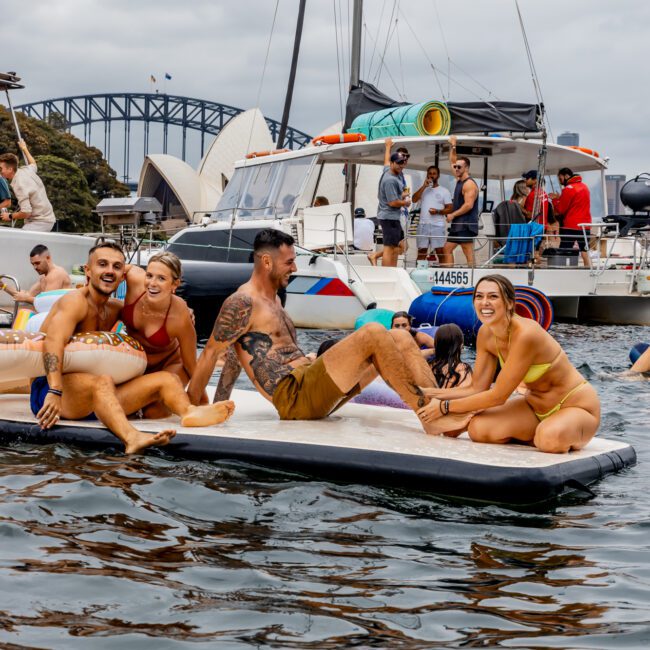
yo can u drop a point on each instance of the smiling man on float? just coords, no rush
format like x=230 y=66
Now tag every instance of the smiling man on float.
x=78 y=396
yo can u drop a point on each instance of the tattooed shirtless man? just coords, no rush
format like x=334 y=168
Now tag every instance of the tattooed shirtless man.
x=263 y=341
x=77 y=396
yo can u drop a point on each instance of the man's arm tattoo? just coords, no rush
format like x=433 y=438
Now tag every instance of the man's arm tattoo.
x=233 y=318
x=50 y=362
x=229 y=374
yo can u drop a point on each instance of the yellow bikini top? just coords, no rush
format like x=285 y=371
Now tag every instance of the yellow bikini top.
x=535 y=371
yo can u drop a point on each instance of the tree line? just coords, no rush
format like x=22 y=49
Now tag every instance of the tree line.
x=75 y=175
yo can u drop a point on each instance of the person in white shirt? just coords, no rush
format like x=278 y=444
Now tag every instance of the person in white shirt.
x=364 y=231
x=435 y=203
x=33 y=205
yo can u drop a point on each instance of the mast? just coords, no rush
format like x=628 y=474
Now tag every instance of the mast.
x=292 y=75
x=355 y=72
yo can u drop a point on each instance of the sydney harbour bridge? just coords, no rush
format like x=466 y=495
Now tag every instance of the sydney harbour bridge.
x=127 y=113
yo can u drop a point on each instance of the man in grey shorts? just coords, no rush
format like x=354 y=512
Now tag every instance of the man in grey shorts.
x=435 y=204
x=392 y=198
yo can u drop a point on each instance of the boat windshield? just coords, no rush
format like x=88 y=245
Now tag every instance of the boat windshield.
x=269 y=190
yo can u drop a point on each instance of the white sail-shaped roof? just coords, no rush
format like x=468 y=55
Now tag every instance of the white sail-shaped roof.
x=242 y=134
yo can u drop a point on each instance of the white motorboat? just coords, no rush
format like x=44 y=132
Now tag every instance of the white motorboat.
x=335 y=283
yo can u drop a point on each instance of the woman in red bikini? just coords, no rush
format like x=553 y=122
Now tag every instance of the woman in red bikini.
x=159 y=320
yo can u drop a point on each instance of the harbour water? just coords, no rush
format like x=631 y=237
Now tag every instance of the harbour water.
x=105 y=551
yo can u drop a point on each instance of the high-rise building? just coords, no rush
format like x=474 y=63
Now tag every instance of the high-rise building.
x=569 y=139
x=613 y=184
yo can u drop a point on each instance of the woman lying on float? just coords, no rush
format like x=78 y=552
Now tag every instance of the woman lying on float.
x=559 y=412
x=76 y=396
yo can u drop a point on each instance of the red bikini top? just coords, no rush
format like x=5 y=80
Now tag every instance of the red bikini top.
x=160 y=338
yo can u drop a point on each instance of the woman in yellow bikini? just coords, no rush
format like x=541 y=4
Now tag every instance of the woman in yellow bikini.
x=559 y=412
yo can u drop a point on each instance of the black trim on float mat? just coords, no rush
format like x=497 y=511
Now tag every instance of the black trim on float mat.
x=513 y=485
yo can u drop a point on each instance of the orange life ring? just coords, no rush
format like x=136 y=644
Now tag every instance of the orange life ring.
x=259 y=154
x=338 y=138
x=589 y=152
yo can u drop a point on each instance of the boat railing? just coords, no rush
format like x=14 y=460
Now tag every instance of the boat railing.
x=15 y=282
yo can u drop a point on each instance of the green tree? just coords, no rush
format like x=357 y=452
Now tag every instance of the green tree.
x=64 y=160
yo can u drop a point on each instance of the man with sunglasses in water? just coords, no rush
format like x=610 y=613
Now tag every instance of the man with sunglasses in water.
x=464 y=215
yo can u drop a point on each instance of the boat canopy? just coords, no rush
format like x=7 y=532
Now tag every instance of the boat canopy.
x=507 y=158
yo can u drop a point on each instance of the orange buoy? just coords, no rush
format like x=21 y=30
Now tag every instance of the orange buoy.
x=589 y=152
x=259 y=154
x=338 y=138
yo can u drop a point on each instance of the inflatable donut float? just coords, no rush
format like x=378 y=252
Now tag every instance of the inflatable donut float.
x=97 y=353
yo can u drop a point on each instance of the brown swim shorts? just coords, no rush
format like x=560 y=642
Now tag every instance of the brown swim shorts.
x=309 y=393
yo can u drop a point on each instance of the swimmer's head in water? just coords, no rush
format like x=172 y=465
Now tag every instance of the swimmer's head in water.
x=401 y=320
x=275 y=256
x=106 y=267
x=494 y=294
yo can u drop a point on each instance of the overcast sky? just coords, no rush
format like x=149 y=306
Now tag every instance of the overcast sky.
x=591 y=57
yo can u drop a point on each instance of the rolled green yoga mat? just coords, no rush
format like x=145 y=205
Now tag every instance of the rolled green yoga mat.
x=427 y=118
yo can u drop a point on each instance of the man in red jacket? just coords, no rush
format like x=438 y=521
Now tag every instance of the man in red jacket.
x=573 y=209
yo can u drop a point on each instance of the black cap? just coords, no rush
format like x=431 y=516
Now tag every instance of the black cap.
x=530 y=174
x=359 y=212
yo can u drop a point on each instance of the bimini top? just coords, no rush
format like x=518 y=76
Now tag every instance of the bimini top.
x=507 y=157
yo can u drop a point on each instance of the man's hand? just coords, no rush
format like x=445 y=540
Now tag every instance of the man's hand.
x=453 y=140
x=450 y=217
x=5 y=216
x=553 y=195
x=50 y=412
x=23 y=296
x=22 y=145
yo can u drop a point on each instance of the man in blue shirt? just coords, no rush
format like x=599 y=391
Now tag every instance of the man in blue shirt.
x=5 y=196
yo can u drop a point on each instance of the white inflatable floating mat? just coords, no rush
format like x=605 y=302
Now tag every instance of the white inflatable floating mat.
x=361 y=444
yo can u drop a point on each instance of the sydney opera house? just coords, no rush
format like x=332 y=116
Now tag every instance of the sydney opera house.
x=190 y=194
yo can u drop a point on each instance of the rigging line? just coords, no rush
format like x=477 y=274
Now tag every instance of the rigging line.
x=338 y=63
x=376 y=40
x=476 y=81
x=345 y=56
x=266 y=60
x=444 y=43
x=389 y=35
x=401 y=67
x=536 y=85
x=390 y=76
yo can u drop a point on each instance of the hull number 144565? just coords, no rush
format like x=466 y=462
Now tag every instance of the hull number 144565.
x=442 y=277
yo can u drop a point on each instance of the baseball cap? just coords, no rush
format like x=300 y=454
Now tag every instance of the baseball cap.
x=530 y=174
x=359 y=212
x=398 y=157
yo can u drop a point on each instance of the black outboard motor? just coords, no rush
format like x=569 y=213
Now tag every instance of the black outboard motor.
x=635 y=195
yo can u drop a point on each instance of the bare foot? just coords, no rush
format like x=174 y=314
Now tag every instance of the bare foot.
x=208 y=414
x=140 y=440
x=454 y=422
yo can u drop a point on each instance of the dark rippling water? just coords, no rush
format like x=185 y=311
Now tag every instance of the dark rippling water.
x=106 y=551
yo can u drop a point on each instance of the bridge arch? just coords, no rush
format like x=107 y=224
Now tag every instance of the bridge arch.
x=201 y=115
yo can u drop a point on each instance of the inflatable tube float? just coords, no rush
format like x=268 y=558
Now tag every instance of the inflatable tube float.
x=426 y=118
x=97 y=353
x=338 y=138
x=382 y=316
x=31 y=322
x=358 y=444
x=379 y=393
x=637 y=350
x=443 y=305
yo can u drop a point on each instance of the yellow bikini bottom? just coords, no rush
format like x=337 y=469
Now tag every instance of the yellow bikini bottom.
x=558 y=406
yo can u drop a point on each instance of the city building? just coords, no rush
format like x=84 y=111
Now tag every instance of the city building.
x=613 y=183
x=569 y=139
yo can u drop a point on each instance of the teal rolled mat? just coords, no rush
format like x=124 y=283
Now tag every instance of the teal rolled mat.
x=427 y=118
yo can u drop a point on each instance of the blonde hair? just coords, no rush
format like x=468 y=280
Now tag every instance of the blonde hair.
x=170 y=261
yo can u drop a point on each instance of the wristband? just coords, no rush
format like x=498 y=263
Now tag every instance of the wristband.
x=440 y=407
x=55 y=391
x=446 y=407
